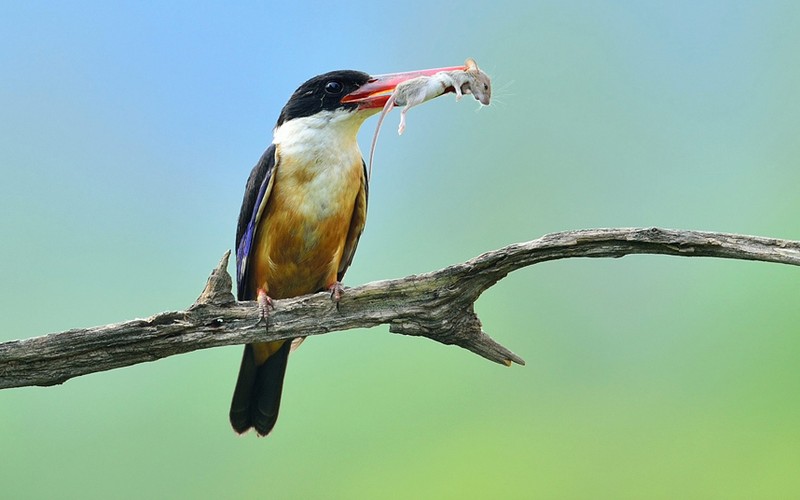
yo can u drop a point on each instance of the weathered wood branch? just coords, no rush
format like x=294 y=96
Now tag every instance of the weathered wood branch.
x=436 y=305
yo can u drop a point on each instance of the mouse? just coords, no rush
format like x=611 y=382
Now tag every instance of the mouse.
x=470 y=80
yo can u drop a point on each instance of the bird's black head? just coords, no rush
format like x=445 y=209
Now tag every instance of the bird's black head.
x=323 y=93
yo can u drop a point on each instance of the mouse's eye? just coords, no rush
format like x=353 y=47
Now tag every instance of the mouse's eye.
x=334 y=87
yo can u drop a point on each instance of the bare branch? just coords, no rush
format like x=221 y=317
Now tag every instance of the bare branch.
x=437 y=305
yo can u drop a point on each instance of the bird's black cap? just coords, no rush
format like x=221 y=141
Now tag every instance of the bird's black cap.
x=323 y=93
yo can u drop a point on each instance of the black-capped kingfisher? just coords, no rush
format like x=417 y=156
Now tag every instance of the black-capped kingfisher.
x=304 y=208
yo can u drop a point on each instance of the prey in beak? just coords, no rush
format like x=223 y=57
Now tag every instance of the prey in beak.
x=376 y=92
x=413 y=88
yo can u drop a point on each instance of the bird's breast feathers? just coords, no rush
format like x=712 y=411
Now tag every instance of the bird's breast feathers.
x=303 y=230
x=319 y=164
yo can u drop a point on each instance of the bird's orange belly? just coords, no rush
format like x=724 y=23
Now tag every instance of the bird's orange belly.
x=301 y=242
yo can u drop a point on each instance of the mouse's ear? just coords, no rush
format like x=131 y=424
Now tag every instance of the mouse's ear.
x=471 y=64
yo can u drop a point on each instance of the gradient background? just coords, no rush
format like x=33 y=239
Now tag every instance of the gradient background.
x=127 y=133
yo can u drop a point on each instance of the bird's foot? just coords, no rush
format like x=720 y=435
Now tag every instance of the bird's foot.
x=336 y=293
x=264 y=305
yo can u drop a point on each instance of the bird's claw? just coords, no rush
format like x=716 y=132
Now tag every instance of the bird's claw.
x=264 y=305
x=336 y=293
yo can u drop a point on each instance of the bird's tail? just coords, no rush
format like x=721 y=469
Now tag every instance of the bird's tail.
x=257 y=396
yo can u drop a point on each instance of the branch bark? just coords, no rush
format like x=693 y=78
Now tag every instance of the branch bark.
x=436 y=305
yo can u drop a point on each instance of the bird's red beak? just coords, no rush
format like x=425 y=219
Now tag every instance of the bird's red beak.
x=376 y=92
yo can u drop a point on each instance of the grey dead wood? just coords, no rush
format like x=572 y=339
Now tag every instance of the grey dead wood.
x=436 y=305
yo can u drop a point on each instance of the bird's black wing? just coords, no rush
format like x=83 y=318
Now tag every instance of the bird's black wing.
x=357 y=223
x=256 y=193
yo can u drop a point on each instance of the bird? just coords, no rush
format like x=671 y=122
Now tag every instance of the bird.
x=303 y=212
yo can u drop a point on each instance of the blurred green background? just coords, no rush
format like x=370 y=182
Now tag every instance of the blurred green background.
x=127 y=132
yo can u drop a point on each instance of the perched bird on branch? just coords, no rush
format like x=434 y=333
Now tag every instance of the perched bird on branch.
x=304 y=208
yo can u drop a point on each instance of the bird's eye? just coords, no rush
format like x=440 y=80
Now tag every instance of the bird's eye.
x=334 y=87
